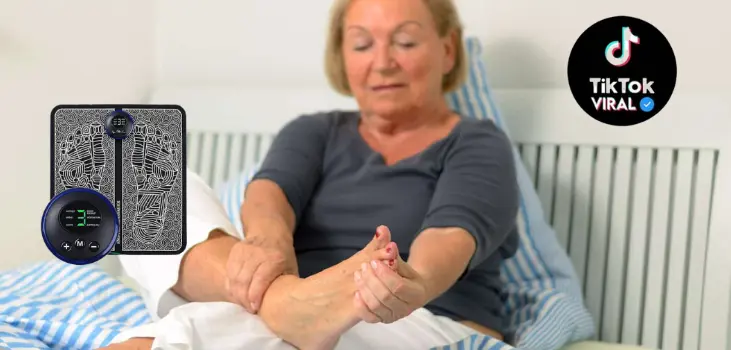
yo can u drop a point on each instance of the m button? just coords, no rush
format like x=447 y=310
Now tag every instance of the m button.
x=79 y=243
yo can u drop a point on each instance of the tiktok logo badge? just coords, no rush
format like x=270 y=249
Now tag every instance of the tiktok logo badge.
x=622 y=83
x=627 y=39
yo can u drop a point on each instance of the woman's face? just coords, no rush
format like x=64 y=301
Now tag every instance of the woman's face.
x=394 y=57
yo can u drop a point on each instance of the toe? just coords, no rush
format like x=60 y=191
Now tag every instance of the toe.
x=393 y=256
x=380 y=239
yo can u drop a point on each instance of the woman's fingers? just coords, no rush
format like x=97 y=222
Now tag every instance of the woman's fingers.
x=261 y=279
x=397 y=264
x=242 y=281
x=390 y=257
x=388 y=287
x=363 y=311
x=368 y=296
x=404 y=269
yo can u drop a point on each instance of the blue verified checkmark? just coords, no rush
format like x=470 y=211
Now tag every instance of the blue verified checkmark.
x=647 y=104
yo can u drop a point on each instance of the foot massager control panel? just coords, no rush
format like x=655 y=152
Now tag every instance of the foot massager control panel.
x=80 y=226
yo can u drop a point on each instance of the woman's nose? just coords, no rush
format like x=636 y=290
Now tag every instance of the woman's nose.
x=384 y=60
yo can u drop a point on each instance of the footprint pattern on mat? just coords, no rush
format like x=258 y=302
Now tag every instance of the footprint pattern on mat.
x=153 y=182
x=84 y=155
x=154 y=160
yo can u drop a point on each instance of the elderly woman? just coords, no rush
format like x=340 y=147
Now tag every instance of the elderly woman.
x=341 y=198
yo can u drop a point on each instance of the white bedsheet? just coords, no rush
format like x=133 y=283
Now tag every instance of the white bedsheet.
x=226 y=326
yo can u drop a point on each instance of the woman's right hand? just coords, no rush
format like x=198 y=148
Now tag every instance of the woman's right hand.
x=252 y=266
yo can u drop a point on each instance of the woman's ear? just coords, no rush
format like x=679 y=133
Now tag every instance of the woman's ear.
x=449 y=43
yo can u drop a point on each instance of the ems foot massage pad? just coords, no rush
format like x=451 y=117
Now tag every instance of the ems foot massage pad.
x=118 y=179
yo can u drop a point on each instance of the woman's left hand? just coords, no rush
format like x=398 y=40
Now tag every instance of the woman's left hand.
x=388 y=290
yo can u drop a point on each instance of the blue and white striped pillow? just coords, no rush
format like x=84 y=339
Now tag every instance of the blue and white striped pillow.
x=544 y=304
x=55 y=305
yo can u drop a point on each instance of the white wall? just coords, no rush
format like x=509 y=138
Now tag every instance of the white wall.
x=54 y=52
x=527 y=42
x=85 y=51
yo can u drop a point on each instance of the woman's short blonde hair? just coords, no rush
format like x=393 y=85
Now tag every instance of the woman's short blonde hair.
x=447 y=22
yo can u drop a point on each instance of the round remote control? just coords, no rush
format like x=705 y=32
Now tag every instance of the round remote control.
x=80 y=226
x=119 y=125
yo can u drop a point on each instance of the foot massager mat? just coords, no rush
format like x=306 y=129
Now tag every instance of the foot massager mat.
x=134 y=155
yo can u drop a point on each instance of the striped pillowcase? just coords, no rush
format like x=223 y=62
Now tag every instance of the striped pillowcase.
x=544 y=305
x=55 y=305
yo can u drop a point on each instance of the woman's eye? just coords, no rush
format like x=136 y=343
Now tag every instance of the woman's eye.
x=407 y=45
x=361 y=47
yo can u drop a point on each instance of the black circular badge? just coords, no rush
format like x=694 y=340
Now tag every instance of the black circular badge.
x=119 y=124
x=622 y=71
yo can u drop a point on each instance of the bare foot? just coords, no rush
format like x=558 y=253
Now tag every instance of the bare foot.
x=313 y=313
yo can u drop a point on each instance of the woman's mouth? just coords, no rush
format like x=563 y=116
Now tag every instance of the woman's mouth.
x=387 y=87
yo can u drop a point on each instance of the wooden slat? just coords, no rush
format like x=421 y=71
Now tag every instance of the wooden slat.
x=546 y=178
x=194 y=151
x=188 y=149
x=230 y=159
x=716 y=326
x=678 y=240
x=700 y=209
x=654 y=284
x=602 y=187
x=564 y=193
x=617 y=252
x=206 y=155
x=636 y=258
x=243 y=150
x=530 y=159
x=234 y=155
x=579 y=240
x=265 y=141
x=250 y=150
x=220 y=161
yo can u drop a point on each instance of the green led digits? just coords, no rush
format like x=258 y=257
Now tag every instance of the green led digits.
x=83 y=217
x=79 y=217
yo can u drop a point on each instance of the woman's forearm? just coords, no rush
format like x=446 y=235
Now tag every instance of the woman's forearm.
x=267 y=216
x=440 y=256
